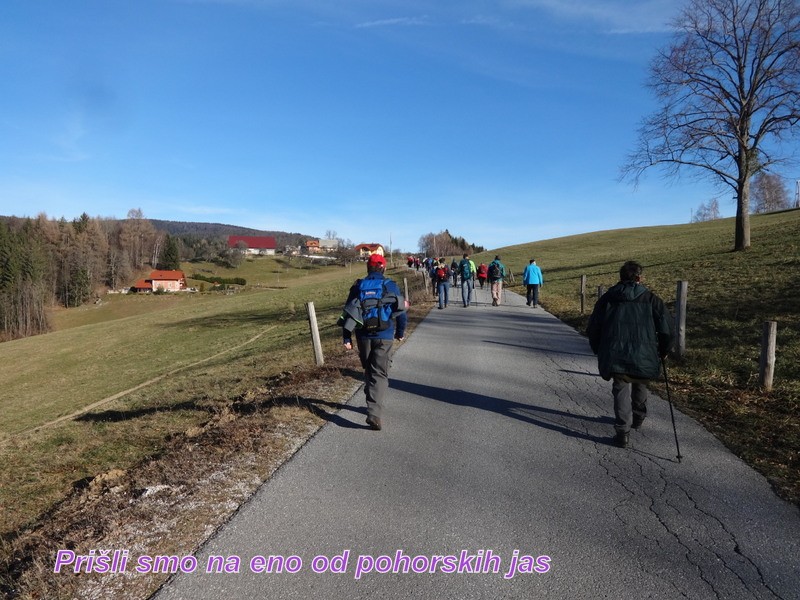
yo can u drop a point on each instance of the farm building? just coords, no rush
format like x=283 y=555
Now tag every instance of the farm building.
x=253 y=244
x=320 y=246
x=169 y=281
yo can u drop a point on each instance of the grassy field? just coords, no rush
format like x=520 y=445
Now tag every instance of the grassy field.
x=162 y=364
x=189 y=380
x=730 y=295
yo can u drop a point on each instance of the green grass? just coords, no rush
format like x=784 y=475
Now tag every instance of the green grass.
x=730 y=295
x=204 y=341
x=203 y=345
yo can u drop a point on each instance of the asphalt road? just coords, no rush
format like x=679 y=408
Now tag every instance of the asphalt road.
x=496 y=445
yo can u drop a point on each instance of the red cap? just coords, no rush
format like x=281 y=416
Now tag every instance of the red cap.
x=376 y=260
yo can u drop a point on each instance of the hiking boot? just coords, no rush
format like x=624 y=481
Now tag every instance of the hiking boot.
x=374 y=423
x=637 y=421
x=622 y=439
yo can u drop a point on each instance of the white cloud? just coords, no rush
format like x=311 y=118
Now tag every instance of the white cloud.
x=400 y=21
x=616 y=16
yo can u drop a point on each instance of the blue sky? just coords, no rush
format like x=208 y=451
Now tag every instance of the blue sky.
x=503 y=121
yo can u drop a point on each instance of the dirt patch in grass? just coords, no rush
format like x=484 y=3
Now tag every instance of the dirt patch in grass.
x=170 y=503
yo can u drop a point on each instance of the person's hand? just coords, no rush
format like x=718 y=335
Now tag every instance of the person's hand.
x=348 y=345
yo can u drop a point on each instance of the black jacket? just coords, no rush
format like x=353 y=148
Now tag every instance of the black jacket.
x=630 y=330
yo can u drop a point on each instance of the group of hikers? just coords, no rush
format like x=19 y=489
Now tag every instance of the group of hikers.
x=442 y=273
x=630 y=329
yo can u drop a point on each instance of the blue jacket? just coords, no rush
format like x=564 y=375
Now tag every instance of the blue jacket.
x=352 y=313
x=532 y=275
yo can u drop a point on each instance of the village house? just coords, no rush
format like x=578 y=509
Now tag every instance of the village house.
x=365 y=250
x=320 y=246
x=168 y=281
x=328 y=246
x=311 y=247
x=253 y=244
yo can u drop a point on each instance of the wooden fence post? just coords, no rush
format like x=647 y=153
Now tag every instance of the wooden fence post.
x=601 y=289
x=405 y=289
x=680 y=319
x=312 y=321
x=583 y=293
x=768 y=354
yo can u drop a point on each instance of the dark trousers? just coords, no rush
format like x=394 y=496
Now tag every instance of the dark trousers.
x=533 y=293
x=630 y=398
x=374 y=356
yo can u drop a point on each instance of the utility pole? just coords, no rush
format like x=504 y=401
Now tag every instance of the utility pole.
x=797 y=194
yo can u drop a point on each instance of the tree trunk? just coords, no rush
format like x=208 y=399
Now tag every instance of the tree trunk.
x=742 y=221
x=743 y=203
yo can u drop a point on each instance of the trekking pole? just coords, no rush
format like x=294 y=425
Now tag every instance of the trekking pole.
x=671 y=412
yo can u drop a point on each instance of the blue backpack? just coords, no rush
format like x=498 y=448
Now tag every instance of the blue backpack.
x=376 y=305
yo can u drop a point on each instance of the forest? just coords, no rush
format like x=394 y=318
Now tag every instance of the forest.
x=46 y=262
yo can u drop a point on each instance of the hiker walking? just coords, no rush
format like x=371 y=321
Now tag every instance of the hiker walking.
x=431 y=269
x=442 y=274
x=630 y=331
x=496 y=273
x=483 y=272
x=454 y=271
x=376 y=311
x=532 y=278
x=466 y=268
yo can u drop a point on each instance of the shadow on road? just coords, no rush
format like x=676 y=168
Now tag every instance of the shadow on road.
x=546 y=418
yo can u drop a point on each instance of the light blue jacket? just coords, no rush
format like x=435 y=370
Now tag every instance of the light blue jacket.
x=532 y=275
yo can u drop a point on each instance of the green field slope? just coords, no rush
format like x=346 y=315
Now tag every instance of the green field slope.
x=730 y=296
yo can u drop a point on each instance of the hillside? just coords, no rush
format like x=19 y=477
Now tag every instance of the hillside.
x=241 y=378
x=730 y=296
x=216 y=230
x=212 y=230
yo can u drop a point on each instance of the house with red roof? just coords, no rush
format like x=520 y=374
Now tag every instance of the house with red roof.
x=168 y=281
x=253 y=244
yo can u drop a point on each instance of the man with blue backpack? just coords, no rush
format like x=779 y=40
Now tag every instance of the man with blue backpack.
x=466 y=268
x=376 y=311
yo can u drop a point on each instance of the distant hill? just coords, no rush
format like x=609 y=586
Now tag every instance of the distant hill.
x=218 y=230
x=212 y=230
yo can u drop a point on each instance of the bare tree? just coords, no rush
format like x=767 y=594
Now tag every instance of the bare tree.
x=729 y=84
x=707 y=212
x=769 y=193
x=137 y=237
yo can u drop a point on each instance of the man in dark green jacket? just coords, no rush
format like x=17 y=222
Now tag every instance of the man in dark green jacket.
x=630 y=331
